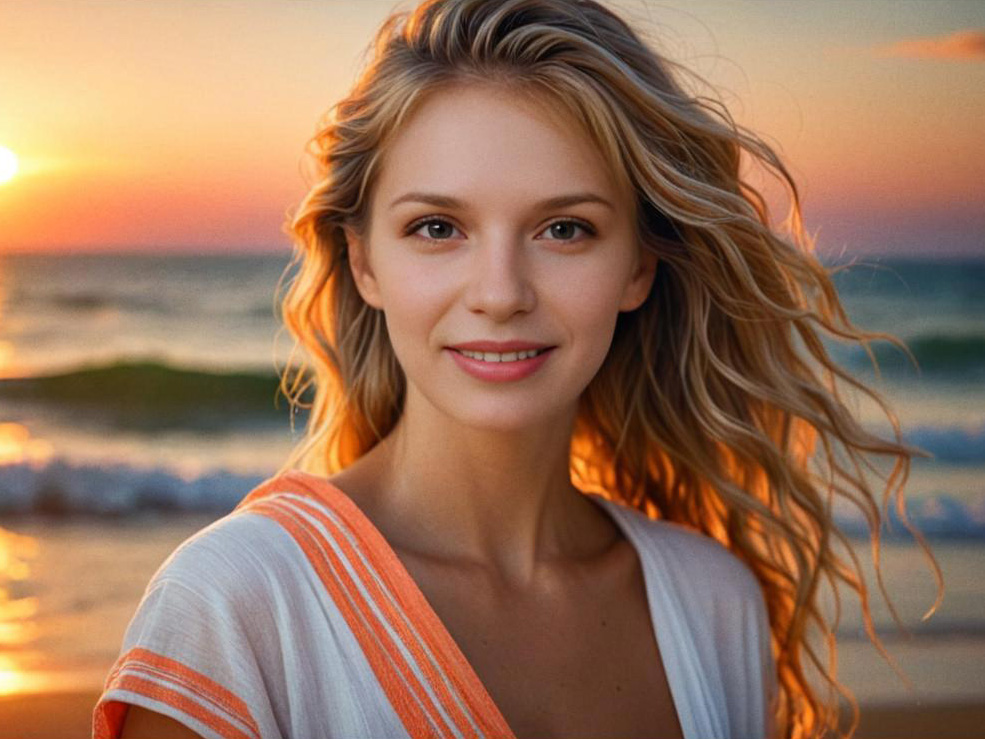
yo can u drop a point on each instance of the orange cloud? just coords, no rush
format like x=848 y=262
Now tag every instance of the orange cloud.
x=966 y=45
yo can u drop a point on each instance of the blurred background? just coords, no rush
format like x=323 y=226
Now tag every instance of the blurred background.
x=149 y=153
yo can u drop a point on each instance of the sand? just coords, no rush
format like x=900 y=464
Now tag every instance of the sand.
x=68 y=716
x=52 y=716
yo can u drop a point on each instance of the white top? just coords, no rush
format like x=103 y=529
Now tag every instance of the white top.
x=292 y=617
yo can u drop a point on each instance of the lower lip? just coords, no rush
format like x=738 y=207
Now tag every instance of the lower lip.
x=500 y=371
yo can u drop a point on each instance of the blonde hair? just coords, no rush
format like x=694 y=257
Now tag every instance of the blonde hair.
x=717 y=406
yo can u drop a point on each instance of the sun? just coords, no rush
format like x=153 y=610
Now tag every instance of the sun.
x=8 y=165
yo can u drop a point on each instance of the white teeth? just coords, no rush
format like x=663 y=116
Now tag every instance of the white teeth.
x=505 y=357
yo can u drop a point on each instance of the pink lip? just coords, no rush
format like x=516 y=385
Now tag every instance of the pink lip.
x=498 y=346
x=500 y=371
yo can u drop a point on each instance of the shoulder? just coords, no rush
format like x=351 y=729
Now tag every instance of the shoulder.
x=288 y=540
x=256 y=541
x=233 y=553
x=211 y=638
x=199 y=649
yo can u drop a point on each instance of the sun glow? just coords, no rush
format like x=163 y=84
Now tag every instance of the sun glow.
x=8 y=165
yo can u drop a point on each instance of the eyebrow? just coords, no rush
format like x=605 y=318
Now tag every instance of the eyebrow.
x=446 y=201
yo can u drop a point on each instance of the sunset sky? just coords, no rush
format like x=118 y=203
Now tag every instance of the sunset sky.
x=178 y=125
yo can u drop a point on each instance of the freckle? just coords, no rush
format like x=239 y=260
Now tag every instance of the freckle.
x=619 y=688
x=604 y=622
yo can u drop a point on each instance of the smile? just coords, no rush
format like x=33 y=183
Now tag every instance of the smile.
x=501 y=367
x=494 y=357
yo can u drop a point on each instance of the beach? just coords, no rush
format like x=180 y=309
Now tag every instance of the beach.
x=138 y=406
x=86 y=576
x=68 y=715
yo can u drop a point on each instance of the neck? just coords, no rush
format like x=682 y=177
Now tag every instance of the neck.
x=499 y=499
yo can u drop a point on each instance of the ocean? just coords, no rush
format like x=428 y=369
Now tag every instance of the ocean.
x=138 y=402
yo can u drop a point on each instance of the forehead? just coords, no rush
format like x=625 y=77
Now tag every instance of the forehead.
x=480 y=142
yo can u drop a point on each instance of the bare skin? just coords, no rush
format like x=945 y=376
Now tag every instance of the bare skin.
x=570 y=653
x=471 y=489
x=142 y=723
x=575 y=659
x=484 y=467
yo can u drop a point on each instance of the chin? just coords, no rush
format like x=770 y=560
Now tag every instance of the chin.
x=496 y=415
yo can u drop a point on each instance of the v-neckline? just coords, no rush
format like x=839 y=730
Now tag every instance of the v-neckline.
x=404 y=583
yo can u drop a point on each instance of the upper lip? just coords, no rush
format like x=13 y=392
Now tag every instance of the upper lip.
x=499 y=346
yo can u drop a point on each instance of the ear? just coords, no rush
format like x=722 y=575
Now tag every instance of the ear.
x=362 y=271
x=639 y=285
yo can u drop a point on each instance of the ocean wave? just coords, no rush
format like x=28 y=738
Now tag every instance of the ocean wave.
x=937 y=355
x=959 y=283
x=88 y=301
x=954 y=445
x=153 y=394
x=62 y=488
x=939 y=516
x=934 y=630
x=98 y=301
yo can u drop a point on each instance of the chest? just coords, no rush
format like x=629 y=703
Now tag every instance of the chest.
x=580 y=660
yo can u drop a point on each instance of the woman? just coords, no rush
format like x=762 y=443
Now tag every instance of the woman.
x=568 y=384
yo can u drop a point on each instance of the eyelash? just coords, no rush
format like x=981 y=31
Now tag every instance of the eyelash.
x=418 y=224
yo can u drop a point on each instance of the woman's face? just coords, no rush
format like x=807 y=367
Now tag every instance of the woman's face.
x=499 y=264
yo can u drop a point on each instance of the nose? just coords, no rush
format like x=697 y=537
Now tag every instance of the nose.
x=499 y=283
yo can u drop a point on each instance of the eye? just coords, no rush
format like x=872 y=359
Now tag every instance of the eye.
x=567 y=223
x=559 y=228
x=429 y=222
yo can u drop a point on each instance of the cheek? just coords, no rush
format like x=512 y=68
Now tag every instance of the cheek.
x=414 y=298
x=597 y=324
x=589 y=301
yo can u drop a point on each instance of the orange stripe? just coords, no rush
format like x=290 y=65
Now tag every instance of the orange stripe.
x=413 y=602
x=183 y=675
x=398 y=619
x=383 y=662
x=208 y=689
x=391 y=570
x=199 y=683
x=110 y=723
x=268 y=487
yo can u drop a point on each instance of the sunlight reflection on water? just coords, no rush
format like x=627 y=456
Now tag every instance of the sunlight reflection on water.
x=17 y=628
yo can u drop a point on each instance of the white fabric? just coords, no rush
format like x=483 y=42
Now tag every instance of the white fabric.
x=237 y=635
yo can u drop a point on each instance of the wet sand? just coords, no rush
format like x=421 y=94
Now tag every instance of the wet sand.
x=69 y=715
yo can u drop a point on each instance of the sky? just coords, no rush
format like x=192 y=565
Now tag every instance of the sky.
x=179 y=125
